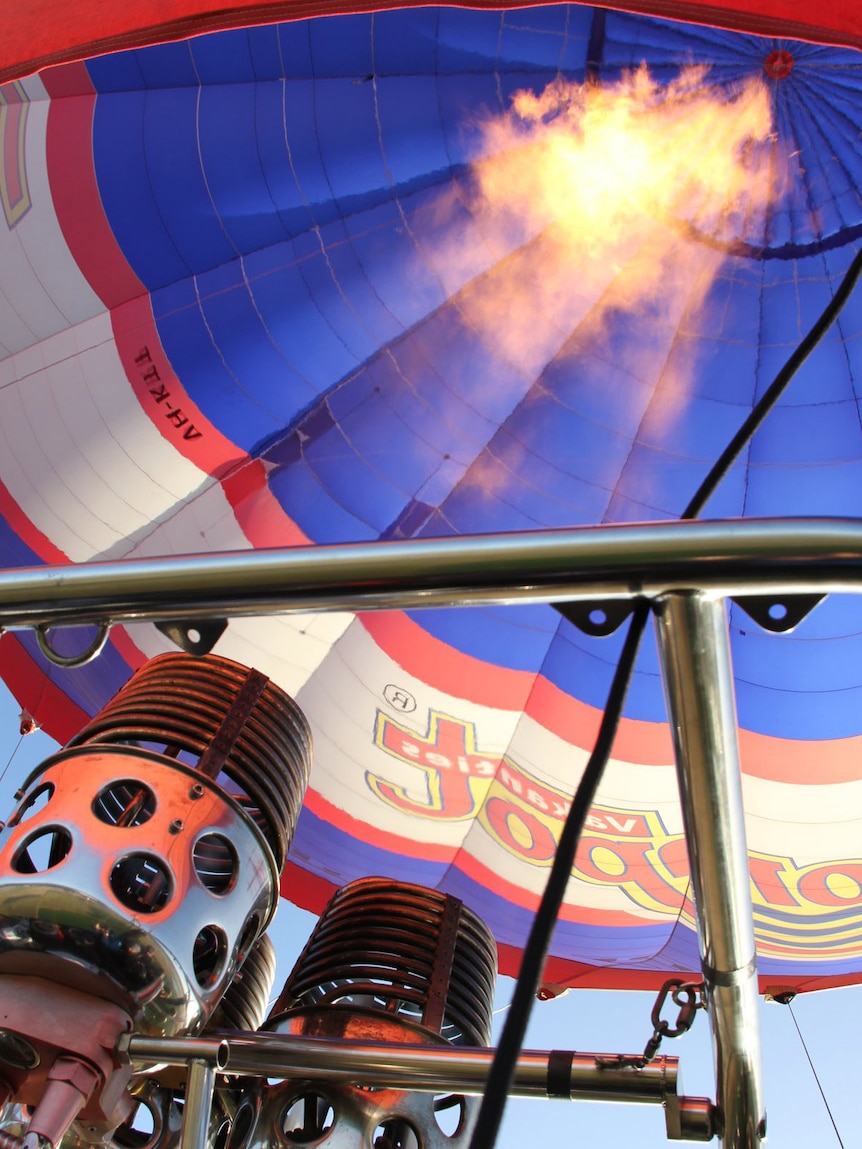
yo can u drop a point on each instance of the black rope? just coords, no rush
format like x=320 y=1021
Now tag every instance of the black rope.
x=776 y=388
x=816 y=1078
x=503 y=1067
x=536 y=950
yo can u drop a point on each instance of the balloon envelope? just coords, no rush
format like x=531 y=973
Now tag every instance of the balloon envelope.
x=251 y=297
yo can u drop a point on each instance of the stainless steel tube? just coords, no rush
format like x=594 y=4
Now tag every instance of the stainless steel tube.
x=695 y=656
x=198 y=1104
x=440 y=1069
x=588 y=1076
x=726 y=558
x=430 y=1068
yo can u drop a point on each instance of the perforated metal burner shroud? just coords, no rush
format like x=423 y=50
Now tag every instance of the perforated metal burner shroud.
x=143 y=860
x=386 y=962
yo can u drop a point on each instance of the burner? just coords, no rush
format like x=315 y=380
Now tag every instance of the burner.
x=387 y=962
x=137 y=874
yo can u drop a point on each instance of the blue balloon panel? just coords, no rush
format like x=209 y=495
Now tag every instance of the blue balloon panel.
x=313 y=332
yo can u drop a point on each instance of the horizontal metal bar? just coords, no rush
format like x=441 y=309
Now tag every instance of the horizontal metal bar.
x=722 y=558
x=440 y=1069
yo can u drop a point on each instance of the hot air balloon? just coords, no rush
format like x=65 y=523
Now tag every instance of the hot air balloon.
x=309 y=285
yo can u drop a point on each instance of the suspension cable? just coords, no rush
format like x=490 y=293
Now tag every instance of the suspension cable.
x=816 y=1078
x=535 y=952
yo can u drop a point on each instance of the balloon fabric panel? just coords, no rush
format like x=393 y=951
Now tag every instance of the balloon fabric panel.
x=308 y=358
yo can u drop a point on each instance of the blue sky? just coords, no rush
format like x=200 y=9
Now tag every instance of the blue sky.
x=612 y=1023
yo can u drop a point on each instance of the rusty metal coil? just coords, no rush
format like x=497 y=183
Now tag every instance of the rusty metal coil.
x=409 y=951
x=246 y=999
x=227 y=721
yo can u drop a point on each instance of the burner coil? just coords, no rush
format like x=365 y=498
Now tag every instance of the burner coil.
x=387 y=962
x=223 y=719
x=245 y=1002
x=412 y=952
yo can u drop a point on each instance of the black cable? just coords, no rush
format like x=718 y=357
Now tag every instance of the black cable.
x=529 y=976
x=768 y=399
x=536 y=949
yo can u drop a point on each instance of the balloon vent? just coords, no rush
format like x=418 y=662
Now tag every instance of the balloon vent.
x=778 y=64
x=412 y=953
x=142 y=863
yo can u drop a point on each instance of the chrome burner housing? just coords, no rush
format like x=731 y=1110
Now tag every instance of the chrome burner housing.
x=143 y=860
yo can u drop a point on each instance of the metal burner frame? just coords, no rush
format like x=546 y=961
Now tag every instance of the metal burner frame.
x=684 y=569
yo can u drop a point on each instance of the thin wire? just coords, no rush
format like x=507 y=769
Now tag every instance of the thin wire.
x=816 y=1078
x=5 y=770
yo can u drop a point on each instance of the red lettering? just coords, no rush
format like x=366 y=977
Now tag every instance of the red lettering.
x=767 y=880
x=674 y=857
x=604 y=860
x=520 y=831
x=444 y=749
x=618 y=863
x=448 y=795
x=844 y=888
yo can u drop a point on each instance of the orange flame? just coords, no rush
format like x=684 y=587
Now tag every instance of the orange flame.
x=586 y=200
x=604 y=161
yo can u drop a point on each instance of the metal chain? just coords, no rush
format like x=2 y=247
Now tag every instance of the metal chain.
x=690 y=997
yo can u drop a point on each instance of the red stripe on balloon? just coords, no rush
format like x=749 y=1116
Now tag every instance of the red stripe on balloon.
x=373 y=835
x=306 y=890
x=443 y=667
x=81 y=214
x=459 y=857
x=37 y=694
x=517 y=895
x=49 y=31
x=815 y=763
x=263 y=520
x=74 y=190
x=27 y=531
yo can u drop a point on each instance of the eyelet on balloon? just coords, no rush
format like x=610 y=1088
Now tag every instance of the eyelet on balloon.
x=72 y=660
x=778 y=64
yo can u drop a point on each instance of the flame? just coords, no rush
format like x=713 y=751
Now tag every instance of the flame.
x=603 y=162
x=585 y=201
